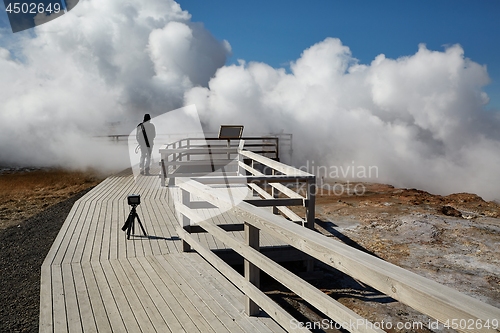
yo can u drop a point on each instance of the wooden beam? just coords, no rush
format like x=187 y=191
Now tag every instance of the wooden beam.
x=284 y=210
x=311 y=204
x=252 y=272
x=283 y=168
x=201 y=205
x=427 y=296
x=250 y=179
x=188 y=213
x=199 y=151
x=196 y=229
x=214 y=161
x=275 y=202
x=280 y=187
x=163 y=174
x=318 y=299
x=275 y=195
x=186 y=221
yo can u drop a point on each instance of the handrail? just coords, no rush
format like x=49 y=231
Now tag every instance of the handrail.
x=332 y=308
x=214 y=151
x=282 y=317
x=427 y=296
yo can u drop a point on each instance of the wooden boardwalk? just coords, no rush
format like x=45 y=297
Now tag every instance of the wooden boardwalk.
x=95 y=280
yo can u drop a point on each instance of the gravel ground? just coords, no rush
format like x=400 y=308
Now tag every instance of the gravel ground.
x=23 y=248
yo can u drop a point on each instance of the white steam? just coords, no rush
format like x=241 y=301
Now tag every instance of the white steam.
x=419 y=119
x=105 y=62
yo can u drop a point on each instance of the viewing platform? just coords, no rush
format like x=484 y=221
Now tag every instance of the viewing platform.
x=210 y=204
x=94 y=279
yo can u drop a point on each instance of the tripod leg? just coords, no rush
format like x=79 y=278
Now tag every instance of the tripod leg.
x=130 y=224
x=140 y=224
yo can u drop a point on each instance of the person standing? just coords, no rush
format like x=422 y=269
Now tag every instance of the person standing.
x=145 y=135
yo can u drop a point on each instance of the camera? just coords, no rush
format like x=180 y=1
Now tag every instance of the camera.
x=134 y=199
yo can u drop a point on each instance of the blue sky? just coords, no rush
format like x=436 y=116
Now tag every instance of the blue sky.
x=276 y=32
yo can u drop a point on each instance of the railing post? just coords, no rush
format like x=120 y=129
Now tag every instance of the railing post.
x=274 y=193
x=254 y=193
x=310 y=214
x=311 y=202
x=252 y=272
x=174 y=155
x=186 y=222
x=240 y=171
x=163 y=172
x=277 y=149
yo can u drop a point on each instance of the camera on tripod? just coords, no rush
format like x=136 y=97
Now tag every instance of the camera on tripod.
x=134 y=199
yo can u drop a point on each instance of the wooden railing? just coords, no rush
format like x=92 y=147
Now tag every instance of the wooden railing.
x=199 y=156
x=431 y=298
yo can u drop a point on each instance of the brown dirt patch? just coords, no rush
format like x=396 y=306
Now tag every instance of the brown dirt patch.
x=25 y=194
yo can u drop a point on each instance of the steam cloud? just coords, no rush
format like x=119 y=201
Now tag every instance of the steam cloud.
x=102 y=63
x=420 y=119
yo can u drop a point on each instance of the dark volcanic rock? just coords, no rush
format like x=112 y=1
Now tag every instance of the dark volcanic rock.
x=23 y=248
x=450 y=211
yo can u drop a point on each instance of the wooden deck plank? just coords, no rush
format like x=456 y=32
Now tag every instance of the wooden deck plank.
x=163 y=217
x=119 y=295
x=96 y=300
x=70 y=300
x=143 y=272
x=45 y=320
x=121 y=237
x=143 y=295
x=166 y=221
x=58 y=304
x=206 y=281
x=143 y=241
x=93 y=200
x=135 y=304
x=108 y=299
x=115 y=232
x=84 y=306
x=87 y=233
x=95 y=253
x=229 y=319
x=91 y=234
x=157 y=275
x=76 y=245
x=70 y=224
x=193 y=304
x=235 y=297
x=152 y=227
x=169 y=223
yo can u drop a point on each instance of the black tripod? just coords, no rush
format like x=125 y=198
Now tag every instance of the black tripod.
x=129 y=224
